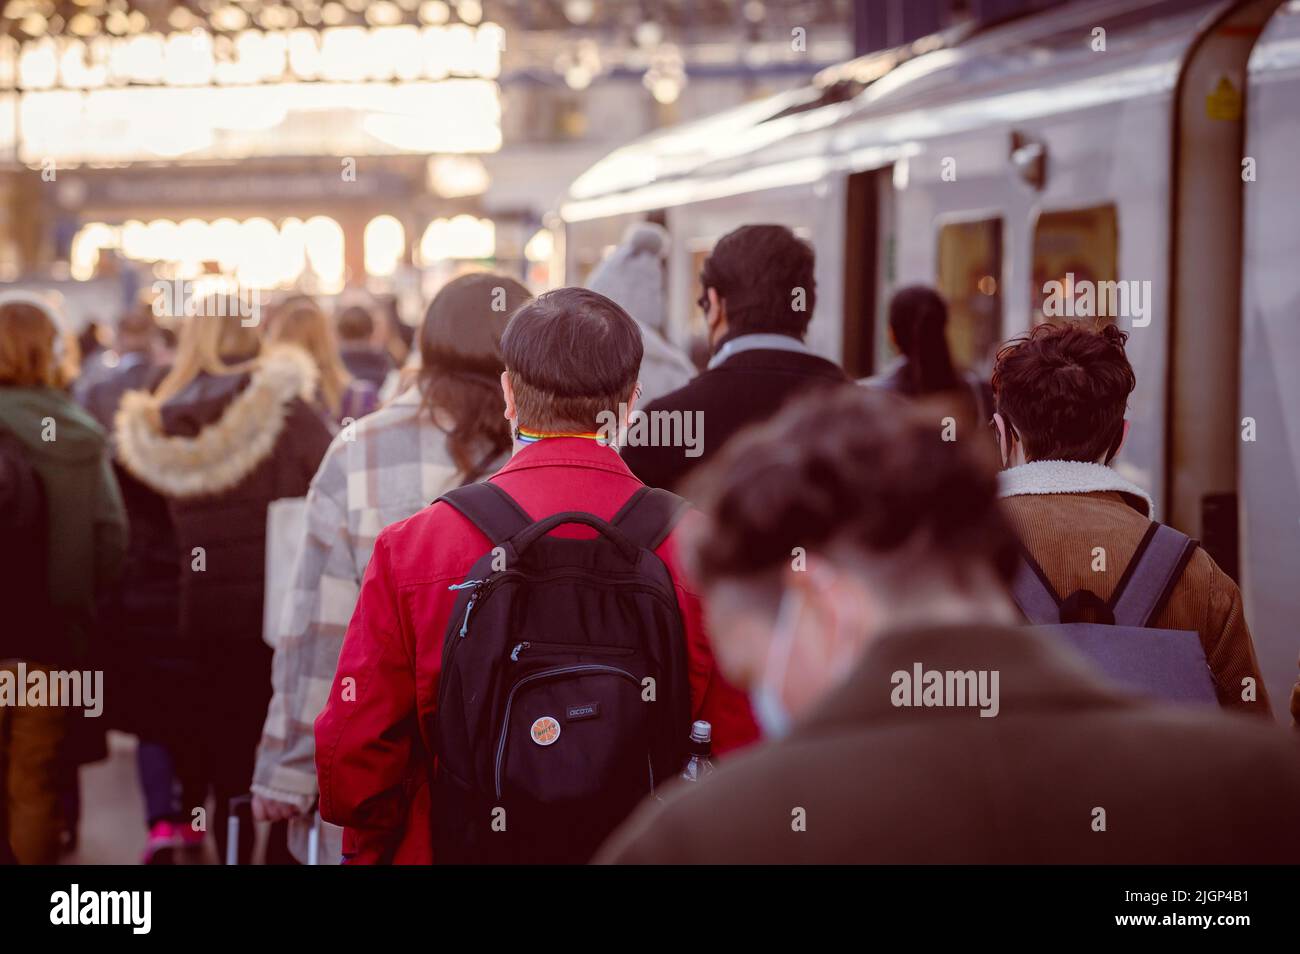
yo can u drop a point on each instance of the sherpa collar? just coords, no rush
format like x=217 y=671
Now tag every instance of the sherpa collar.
x=1070 y=477
x=225 y=452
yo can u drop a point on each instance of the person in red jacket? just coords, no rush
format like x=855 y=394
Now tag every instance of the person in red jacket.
x=572 y=357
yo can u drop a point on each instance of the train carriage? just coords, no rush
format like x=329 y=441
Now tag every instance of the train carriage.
x=1137 y=146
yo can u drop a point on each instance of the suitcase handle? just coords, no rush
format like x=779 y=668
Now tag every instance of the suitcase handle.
x=232 y=826
x=240 y=802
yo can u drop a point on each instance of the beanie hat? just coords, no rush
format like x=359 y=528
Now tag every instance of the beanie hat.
x=633 y=274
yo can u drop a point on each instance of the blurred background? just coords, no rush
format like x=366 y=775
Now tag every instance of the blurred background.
x=324 y=146
x=332 y=145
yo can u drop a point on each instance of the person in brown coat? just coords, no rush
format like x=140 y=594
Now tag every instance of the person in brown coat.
x=855 y=571
x=1061 y=393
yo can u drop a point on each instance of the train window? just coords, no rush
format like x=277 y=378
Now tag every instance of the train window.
x=1073 y=247
x=970 y=279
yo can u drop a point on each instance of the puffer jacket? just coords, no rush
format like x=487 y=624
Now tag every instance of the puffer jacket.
x=220 y=452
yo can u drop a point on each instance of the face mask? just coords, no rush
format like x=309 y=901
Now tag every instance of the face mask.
x=765 y=699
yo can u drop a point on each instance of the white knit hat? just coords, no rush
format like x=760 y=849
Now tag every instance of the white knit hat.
x=633 y=274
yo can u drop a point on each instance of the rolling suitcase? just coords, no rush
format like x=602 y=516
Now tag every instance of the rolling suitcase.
x=244 y=803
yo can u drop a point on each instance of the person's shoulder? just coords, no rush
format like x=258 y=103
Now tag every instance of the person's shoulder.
x=778 y=361
x=1203 y=570
x=689 y=524
x=1183 y=740
x=685 y=396
x=395 y=420
x=705 y=823
x=433 y=543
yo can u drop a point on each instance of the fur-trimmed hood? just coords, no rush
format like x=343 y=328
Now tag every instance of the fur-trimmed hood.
x=1072 y=477
x=226 y=450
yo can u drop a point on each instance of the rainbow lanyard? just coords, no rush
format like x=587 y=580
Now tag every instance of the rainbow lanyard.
x=532 y=437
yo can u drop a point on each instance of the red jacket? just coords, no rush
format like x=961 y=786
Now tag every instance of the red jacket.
x=372 y=744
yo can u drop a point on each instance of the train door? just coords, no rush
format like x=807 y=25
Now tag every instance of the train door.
x=868 y=267
x=1203 y=434
x=1268 y=431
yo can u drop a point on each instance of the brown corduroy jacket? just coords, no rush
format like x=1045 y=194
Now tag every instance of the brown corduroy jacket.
x=1062 y=530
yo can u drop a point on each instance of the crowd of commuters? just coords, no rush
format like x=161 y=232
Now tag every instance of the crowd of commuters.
x=502 y=627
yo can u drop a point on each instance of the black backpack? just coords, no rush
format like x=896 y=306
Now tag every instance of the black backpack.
x=1123 y=644
x=564 y=697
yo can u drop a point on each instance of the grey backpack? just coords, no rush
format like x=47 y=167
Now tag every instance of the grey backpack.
x=1165 y=663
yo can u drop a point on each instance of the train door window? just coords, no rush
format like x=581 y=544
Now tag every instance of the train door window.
x=698 y=325
x=1076 y=260
x=970 y=280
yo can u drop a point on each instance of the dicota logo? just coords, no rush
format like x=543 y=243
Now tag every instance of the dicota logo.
x=587 y=710
x=546 y=730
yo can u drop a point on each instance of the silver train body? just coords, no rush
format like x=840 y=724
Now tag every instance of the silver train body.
x=1146 y=146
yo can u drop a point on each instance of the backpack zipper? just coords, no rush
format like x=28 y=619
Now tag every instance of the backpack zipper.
x=472 y=585
x=569 y=648
x=481 y=589
x=545 y=673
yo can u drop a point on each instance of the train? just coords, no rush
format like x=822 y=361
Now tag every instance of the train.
x=1144 y=146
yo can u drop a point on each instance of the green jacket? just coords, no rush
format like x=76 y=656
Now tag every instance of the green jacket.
x=87 y=522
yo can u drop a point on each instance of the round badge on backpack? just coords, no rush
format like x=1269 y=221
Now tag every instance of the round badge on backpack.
x=546 y=730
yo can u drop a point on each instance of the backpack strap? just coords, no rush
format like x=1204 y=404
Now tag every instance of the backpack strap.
x=1034 y=594
x=490 y=509
x=649 y=516
x=1150 y=576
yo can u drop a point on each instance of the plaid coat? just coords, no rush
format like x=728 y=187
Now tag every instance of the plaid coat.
x=394 y=464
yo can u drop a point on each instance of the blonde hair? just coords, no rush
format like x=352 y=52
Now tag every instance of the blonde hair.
x=300 y=321
x=205 y=343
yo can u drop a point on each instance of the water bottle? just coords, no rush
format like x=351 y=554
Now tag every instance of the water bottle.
x=699 y=765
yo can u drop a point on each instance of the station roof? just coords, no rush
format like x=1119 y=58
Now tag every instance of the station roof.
x=32 y=19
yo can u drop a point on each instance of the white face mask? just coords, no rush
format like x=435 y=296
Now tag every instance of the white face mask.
x=765 y=698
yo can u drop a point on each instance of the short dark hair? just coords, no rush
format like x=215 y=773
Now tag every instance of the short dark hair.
x=857 y=467
x=355 y=324
x=1064 y=389
x=765 y=273
x=571 y=354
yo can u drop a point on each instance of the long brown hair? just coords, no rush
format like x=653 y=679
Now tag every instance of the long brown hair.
x=300 y=321
x=461 y=365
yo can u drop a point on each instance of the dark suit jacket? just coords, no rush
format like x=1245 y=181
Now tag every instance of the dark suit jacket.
x=880 y=784
x=746 y=388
